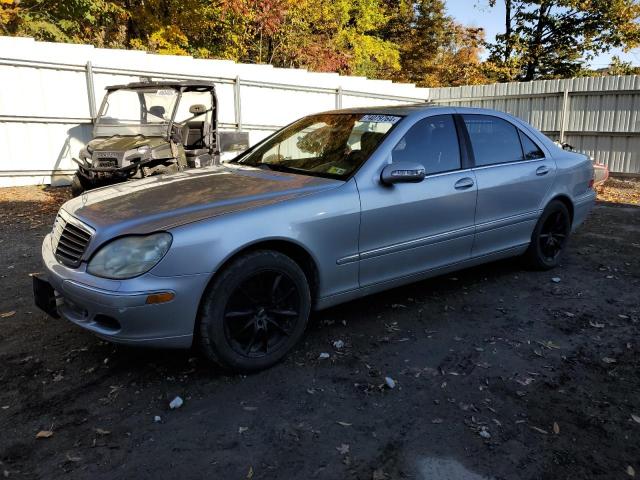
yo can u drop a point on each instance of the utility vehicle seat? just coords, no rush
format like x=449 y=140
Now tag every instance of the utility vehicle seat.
x=157 y=111
x=193 y=135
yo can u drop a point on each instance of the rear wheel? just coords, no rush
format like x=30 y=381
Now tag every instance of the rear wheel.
x=255 y=311
x=549 y=237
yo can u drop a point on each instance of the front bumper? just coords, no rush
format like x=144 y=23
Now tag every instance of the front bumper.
x=117 y=310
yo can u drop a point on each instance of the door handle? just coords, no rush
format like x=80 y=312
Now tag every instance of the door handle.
x=463 y=183
x=543 y=170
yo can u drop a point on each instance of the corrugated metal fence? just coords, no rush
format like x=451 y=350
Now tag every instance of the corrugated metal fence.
x=597 y=115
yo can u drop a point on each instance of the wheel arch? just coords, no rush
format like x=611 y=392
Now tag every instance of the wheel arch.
x=567 y=203
x=286 y=246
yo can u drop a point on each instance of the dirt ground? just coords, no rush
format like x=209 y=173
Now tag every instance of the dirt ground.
x=498 y=372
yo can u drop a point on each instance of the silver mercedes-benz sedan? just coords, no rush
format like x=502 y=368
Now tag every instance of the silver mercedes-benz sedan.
x=330 y=208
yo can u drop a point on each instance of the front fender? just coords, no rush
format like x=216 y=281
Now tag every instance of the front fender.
x=324 y=224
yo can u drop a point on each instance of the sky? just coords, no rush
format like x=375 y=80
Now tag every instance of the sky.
x=477 y=13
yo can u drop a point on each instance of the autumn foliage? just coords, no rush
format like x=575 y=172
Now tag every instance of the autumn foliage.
x=405 y=40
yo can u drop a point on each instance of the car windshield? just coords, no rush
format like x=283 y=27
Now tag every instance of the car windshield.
x=329 y=145
x=145 y=111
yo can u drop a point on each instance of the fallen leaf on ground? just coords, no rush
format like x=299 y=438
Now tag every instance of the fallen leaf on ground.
x=343 y=449
x=250 y=473
x=635 y=418
x=556 y=428
x=596 y=324
x=44 y=434
x=608 y=360
x=73 y=458
x=242 y=429
x=344 y=424
x=100 y=431
x=631 y=472
x=540 y=430
x=8 y=314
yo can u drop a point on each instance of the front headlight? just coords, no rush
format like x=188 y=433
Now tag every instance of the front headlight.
x=128 y=257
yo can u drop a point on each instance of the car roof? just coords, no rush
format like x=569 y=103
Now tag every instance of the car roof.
x=416 y=108
x=199 y=85
x=405 y=109
x=419 y=110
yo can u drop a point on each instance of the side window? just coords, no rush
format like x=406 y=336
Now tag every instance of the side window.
x=493 y=140
x=531 y=150
x=432 y=141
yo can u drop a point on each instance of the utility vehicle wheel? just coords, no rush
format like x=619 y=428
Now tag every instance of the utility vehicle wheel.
x=549 y=237
x=255 y=311
x=77 y=187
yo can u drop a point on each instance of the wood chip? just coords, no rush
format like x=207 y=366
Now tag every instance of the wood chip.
x=44 y=434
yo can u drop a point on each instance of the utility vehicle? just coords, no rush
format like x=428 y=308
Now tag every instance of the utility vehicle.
x=149 y=128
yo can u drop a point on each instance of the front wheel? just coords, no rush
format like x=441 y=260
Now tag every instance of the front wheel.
x=255 y=311
x=77 y=186
x=549 y=237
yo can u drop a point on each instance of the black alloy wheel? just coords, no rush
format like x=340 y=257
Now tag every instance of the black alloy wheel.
x=255 y=311
x=261 y=313
x=550 y=236
x=553 y=235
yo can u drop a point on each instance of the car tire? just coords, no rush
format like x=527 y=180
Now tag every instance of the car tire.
x=550 y=237
x=254 y=312
x=77 y=186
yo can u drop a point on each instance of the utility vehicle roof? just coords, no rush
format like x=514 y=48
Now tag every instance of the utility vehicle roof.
x=184 y=85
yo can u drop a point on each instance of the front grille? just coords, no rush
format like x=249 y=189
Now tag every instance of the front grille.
x=108 y=162
x=69 y=240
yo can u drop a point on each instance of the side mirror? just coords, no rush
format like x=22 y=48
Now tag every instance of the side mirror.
x=402 y=172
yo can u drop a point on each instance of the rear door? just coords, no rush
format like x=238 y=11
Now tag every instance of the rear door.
x=409 y=228
x=513 y=175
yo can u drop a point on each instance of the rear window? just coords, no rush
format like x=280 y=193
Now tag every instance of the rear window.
x=493 y=140
x=531 y=150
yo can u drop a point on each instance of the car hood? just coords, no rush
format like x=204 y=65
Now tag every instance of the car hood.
x=122 y=143
x=165 y=201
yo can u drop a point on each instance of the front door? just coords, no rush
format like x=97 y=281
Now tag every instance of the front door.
x=410 y=228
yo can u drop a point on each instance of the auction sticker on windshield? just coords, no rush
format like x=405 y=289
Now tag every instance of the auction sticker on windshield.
x=392 y=119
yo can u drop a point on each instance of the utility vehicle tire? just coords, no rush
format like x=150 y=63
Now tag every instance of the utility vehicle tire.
x=77 y=186
x=549 y=237
x=255 y=311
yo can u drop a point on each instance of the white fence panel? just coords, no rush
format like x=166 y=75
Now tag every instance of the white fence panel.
x=50 y=91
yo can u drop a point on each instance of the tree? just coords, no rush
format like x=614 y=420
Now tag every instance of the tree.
x=406 y=40
x=553 y=38
x=434 y=49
